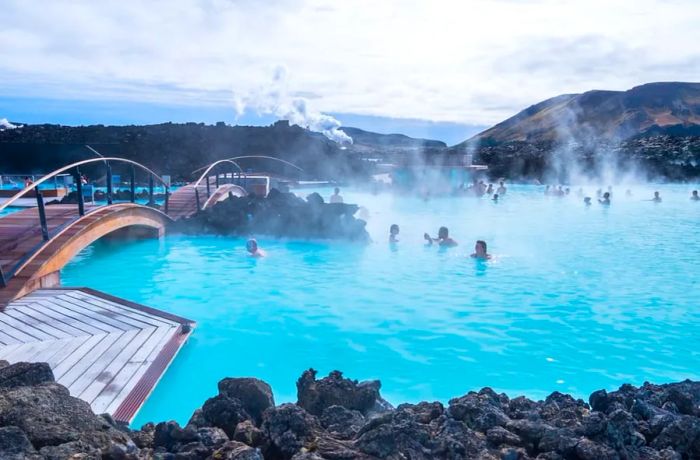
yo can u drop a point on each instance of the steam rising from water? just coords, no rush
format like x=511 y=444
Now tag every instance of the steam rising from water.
x=5 y=124
x=275 y=99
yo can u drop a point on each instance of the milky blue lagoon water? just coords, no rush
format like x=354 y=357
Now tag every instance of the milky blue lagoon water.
x=574 y=300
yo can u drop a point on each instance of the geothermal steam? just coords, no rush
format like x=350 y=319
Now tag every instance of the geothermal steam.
x=5 y=124
x=275 y=99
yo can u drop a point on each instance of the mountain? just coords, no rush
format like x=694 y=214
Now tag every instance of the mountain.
x=362 y=138
x=646 y=110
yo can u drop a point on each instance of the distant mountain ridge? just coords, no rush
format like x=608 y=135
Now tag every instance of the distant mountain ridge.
x=652 y=109
x=178 y=149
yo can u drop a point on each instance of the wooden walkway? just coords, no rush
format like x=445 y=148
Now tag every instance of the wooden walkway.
x=29 y=262
x=183 y=202
x=20 y=232
x=106 y=351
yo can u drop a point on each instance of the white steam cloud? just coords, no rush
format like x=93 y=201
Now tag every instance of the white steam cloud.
x=275 y=99
x=5 y=124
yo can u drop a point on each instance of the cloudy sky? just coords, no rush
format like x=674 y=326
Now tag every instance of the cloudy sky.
x=446 y=67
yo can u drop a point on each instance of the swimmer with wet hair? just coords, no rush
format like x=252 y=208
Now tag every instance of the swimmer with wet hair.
x=606 y=199
x=657 y=198
x=495 y=198
x=393 y=233
x=694 y=196
x=480 y=251
x=443 y=239
x=253 y=249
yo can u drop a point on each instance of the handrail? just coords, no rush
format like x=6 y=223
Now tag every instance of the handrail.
x=48 y=176
x=255 y=156
x=211 y=166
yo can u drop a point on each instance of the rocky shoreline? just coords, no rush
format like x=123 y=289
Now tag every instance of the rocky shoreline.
x=281 y=215
x=337 y=418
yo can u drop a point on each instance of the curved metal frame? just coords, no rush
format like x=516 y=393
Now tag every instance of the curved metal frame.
x=48 y=176
x=211 y=166
x=254 y=156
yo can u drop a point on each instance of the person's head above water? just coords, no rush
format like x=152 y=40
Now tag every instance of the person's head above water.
x=443 y=233
x=252 y=246
x=481 y=250
x=587 y=200
x=394 y=229
x=336 y=190
x=694 y=195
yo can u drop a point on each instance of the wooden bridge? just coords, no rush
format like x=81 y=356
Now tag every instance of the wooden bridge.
x=36 y=243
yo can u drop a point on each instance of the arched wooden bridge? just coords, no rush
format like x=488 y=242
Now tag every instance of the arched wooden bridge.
x=36 y=243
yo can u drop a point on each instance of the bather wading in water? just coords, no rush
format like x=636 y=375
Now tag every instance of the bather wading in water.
x=253 y=249
x=606 y=199
x=694 y=196
x=393 y=233
x=480 y=251
x=657 y=198
x=443 y=239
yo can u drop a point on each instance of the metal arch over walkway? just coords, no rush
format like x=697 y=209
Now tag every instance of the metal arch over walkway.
x=207 y=190
x=36 y=243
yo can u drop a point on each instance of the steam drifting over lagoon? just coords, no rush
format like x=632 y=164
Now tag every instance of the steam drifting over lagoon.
x=486 y=198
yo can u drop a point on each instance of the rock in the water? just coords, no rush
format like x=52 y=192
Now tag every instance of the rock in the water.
x=14 y=445
x=341 y=422
x=233 y=450
x=254 y=395
x=225 y=413
x=249 y=434
x=289 y=428
x=50 y=417
x=23 y=374
x=334 y=390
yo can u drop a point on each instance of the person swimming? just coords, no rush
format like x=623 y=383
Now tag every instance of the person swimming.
x=495 y=198
x=694 y=196
x=253 y=249
x=480 y=251
x=393 y=233
x=587 y=201
x=501 y=190
x=657 y=198
x=336 y=197
x=443 y=239
x=606 y=199
x=489 y=189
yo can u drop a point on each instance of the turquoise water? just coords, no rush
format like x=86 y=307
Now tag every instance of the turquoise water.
x=575 y=299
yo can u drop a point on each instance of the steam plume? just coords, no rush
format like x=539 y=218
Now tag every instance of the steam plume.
x=5 y=124
x=276 y=100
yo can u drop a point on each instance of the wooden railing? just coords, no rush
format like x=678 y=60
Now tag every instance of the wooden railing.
x=74 y=168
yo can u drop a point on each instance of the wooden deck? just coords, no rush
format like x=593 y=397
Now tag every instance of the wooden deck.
x=183 y=202
x=107 y=351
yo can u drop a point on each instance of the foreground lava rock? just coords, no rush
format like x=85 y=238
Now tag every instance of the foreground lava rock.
x=338 y=418
x=280 y=215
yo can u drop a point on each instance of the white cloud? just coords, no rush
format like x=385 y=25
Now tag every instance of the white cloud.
x=5 y=124
x=475 y=61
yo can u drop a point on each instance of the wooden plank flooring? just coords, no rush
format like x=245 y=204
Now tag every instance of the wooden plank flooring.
x=106 y=351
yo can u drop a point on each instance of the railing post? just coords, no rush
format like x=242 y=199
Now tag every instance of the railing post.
x=208 y=190
x=42 y=214
x=167 y=194
x=150 y=190
x=132 y=179
x=109 y=184
x=217 y=180
x=3 y=283
x=196 y=197
x=79 y=189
